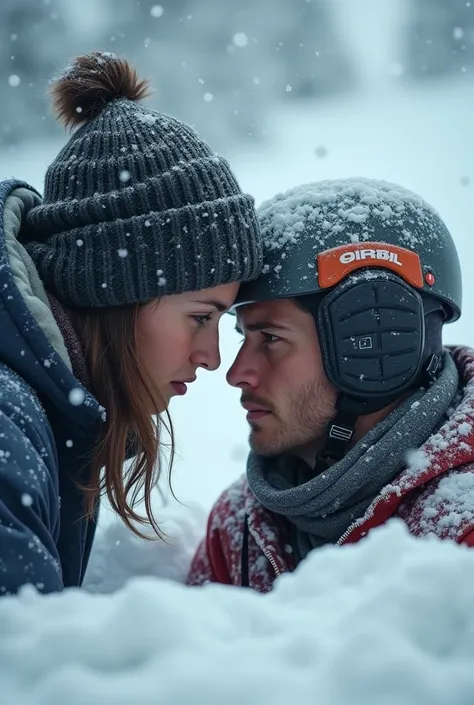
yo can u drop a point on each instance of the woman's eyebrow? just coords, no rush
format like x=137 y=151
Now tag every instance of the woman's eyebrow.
x=218 y=305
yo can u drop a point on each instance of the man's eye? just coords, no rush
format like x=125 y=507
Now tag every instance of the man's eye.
x=270 y=338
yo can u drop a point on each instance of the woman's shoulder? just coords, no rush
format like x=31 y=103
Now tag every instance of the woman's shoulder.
x=13 y=387
x=21 y=407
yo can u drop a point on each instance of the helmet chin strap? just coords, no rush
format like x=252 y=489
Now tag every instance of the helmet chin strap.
x=340 y=430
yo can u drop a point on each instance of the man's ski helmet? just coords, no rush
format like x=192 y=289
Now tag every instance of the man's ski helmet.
x=302 y=227
x=369 y=259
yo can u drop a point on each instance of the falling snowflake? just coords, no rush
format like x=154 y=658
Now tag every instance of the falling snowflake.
x=240 y=39
x=14 y=80
x=156 y=11
x=208 y=97
x=321 y=151
x=76 y=396
x=124 y=176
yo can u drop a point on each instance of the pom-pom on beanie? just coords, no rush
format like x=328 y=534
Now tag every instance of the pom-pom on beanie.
x=136 y=204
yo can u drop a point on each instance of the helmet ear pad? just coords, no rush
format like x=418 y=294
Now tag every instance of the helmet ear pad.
x=371 y=332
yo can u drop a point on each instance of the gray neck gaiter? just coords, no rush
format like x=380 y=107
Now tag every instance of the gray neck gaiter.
x=320 y=508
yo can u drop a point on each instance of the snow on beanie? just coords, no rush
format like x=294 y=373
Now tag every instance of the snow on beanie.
x=136 y=204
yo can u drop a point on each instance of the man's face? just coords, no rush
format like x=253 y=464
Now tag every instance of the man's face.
x=279 y=369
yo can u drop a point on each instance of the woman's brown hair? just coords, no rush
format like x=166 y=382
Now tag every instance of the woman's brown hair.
x=122 y=385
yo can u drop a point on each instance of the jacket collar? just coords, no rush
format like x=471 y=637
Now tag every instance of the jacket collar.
x=31 y=343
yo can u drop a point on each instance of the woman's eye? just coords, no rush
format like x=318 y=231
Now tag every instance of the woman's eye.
x=202 y=320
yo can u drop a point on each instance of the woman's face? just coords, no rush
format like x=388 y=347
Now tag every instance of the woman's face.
x=178 y=334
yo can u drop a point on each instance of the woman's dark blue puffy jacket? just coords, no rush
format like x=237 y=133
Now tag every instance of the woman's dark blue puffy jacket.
x=48 y=425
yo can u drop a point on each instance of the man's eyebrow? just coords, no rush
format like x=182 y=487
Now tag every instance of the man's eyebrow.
x=218 y=305
x=260 y=325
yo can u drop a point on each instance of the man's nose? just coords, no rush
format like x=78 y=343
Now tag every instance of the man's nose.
x=243 y=373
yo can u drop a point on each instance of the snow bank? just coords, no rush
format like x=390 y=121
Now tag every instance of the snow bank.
x=389 y=620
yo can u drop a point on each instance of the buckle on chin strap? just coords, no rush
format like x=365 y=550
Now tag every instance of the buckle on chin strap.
x=433 y=367
x=338 y=439
x=339 y=434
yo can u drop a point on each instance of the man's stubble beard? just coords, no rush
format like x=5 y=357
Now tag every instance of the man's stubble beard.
x=303 y=422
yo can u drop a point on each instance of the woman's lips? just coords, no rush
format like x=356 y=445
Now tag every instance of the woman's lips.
x=179 y=388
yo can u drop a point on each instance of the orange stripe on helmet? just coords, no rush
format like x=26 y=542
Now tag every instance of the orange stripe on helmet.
x=336 y=263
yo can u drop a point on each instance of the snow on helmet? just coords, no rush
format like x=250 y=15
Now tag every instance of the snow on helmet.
x=316 y=234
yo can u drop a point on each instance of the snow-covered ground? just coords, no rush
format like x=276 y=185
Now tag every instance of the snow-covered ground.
x=384 y=623
x=387 y=621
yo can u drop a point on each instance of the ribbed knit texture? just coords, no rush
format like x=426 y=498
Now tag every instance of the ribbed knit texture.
x=136 y=206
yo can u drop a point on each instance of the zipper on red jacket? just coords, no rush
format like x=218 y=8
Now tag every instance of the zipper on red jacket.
x=266 y=552
x=368 y=515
